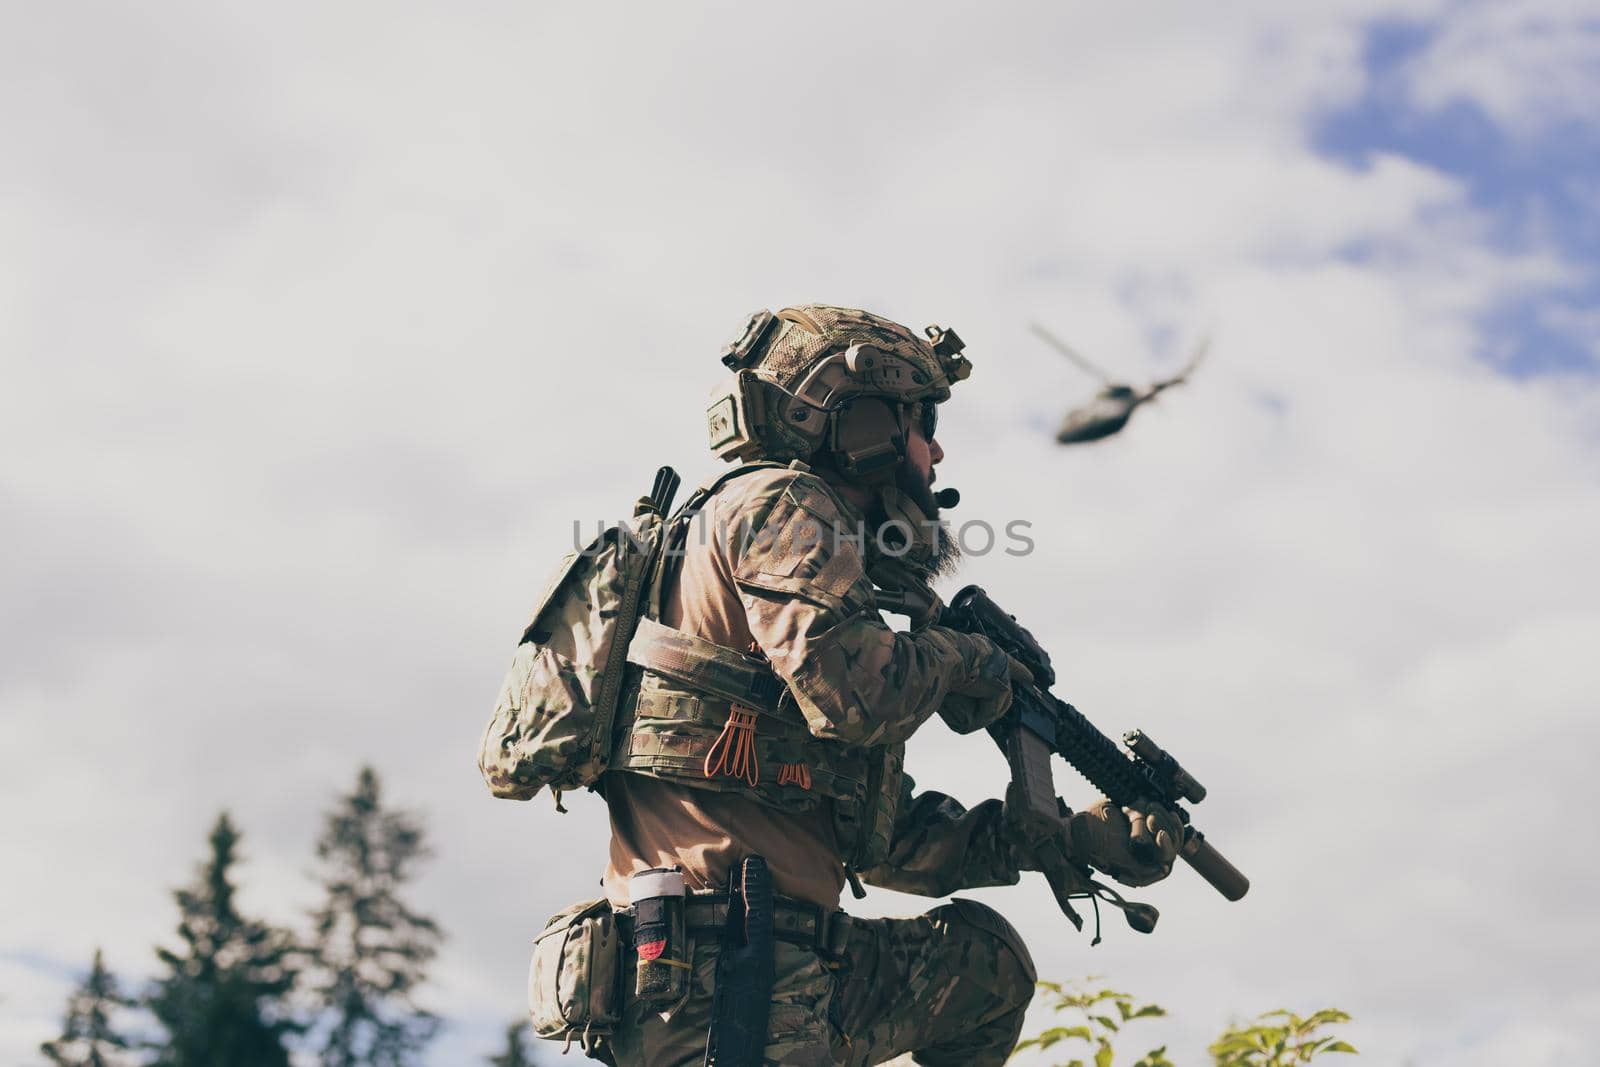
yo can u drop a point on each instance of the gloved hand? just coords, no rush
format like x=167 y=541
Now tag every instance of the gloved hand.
x=1136 y=846
x=974 y=704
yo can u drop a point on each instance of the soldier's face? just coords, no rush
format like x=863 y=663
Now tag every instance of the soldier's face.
x=915 y=478
x=917 y=473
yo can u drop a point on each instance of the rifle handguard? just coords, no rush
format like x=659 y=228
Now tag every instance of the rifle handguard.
x=1040 y=723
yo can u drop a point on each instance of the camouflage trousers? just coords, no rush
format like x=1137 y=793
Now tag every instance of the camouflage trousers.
x=948 y=987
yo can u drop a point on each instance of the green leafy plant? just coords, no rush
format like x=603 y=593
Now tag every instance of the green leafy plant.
x=1279 y=1039
x=1095 y=1016
x=1099 y=1014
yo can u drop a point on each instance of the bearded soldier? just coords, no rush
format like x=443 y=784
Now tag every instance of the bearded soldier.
x=755 y=764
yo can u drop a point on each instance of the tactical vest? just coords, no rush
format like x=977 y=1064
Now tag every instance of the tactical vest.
x=699 y=714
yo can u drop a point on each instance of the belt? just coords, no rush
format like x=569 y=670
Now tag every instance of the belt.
x=799 y=922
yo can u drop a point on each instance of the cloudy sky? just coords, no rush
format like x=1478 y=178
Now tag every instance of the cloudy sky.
x=322 y=323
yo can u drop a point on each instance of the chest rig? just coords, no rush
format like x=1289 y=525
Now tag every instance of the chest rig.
x=702 y=715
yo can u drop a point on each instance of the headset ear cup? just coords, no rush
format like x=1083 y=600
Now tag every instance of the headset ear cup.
x=867 y=440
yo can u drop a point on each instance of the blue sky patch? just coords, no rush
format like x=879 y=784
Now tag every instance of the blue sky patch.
x=45 y=965
x=1537 y=189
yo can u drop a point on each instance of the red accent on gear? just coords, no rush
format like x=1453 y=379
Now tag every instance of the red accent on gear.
x=652 y=949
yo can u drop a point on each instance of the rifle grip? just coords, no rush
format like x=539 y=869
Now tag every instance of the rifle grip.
x=1211 y=865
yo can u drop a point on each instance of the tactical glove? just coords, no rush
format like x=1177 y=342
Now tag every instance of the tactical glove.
x=974 y=704
x=1136 y=845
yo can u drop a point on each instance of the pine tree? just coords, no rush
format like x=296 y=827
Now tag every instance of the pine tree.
x=371 y=949
x=223 y=1000
x=88 y=1037
x=516 y=1051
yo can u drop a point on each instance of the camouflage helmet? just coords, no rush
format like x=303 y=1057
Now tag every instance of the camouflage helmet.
x=797 y=371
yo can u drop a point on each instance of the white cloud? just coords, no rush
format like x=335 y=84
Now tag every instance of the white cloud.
x=1531 y=65
x=332 y=321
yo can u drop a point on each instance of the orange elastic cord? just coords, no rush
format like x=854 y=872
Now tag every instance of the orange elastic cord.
x=794 y=774
x=734 y=752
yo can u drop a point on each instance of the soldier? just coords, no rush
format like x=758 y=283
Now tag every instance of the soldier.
x=833 y=412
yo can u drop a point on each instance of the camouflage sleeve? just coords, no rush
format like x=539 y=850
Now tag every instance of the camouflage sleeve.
x=940 y=847
x=810 y=608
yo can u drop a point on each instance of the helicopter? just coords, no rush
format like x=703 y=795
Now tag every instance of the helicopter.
x=1114 y=405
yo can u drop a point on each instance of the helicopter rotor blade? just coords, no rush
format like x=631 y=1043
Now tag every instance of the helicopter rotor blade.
x=1200 y=351
x=1071 y=353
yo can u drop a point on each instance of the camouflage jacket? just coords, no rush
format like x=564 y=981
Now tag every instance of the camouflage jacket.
x=802 y=576
x=782 y=571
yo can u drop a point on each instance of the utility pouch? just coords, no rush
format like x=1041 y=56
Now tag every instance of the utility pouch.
x=660 y=937
x=574 y=977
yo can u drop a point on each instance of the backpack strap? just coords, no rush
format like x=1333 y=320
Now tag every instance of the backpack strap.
x=677 y=533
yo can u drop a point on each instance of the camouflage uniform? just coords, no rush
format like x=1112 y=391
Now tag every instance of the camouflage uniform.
x=770 y=573
x=763 y=709
x=951 y=985
x=747 y=697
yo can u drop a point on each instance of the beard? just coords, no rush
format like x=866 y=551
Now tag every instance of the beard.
x=938 y=554
x=946 y=553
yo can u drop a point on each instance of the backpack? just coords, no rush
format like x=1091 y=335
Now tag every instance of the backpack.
x=552 y=722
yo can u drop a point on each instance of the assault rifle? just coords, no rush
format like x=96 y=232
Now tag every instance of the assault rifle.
x=1039 y=724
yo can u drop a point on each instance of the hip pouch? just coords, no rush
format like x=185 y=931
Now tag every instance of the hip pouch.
x=574 y=976
x=660 y=938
